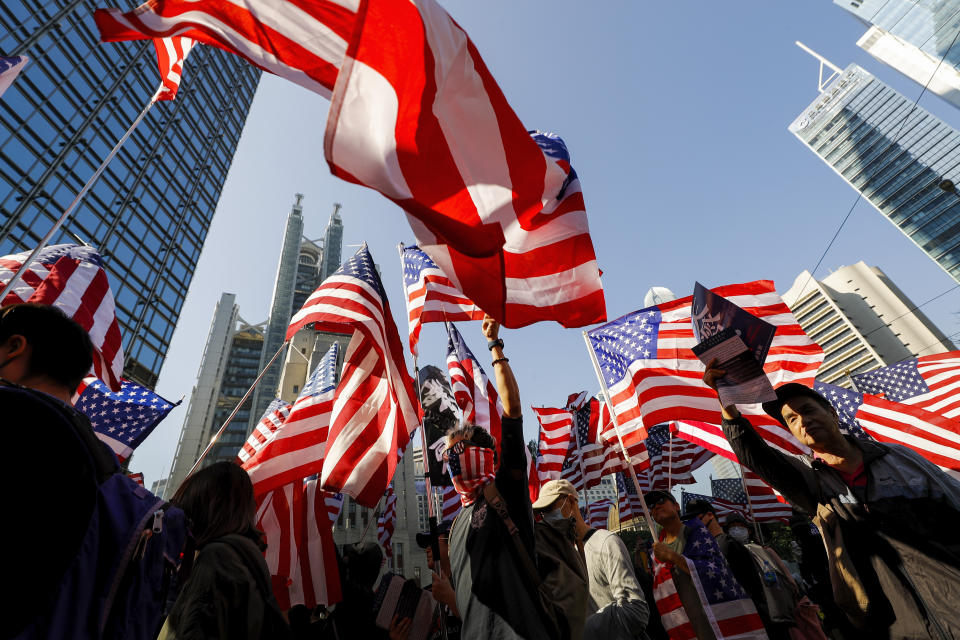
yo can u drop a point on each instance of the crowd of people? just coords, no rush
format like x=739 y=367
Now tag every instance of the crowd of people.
x=875 y=529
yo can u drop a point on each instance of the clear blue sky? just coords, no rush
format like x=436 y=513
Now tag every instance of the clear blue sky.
x=676 y=117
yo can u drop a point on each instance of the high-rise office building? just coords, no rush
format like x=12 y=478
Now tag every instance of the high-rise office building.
x=862 y=321
x=901 y=158
x=913 y=37
x=149 y=212
x=332 y=244
x=230 y=364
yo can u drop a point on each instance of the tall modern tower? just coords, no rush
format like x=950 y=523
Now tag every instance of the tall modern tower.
x=913 y=37
x=149 y=213
x=332 y=244
x=902 y=159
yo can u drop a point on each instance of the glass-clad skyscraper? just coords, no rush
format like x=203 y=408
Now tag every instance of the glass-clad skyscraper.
x=913 y=37
x=904 y=160
x=149 y=213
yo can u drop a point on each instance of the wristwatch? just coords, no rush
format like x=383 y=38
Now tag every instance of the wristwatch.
x=495 y=343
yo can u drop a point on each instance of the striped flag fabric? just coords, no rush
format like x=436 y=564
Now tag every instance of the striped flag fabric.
x=296 y=449
x=122 y=419
x=387 y=522
x=475 y=394
x=10 y=68
x=598 y=514
x=651 y=372
x=628 y=501
x=375 y=406
x=450 y=505
x=633 y=434
x=672 y=460
x=301 y=555
x=431 y=296
x=729 y=609
x=334 y=504
x=764 y=502
x=721 y=506
x=72 y=279
x=303 y=42
x=708 y=436
x=554 y=441
x=931 y=383
x=137 y=477
x=171 y=54
x=933 y=436
x=572 y=469
x=499 y=210
x=272 y=419
x=598 y=456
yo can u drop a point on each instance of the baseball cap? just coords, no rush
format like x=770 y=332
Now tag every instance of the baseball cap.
x=696 y=508
x=651 y=497
x=734 y=517
x=424 y=539
x=784 y=393
x=553 y=489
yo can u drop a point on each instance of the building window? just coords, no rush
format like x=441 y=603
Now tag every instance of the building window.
x=296 y=388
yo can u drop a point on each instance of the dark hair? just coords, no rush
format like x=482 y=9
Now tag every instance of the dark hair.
x=475 y=434
x=218 y=500
x=60 y=348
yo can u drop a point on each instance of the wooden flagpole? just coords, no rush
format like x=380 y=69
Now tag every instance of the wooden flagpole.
x=76 y=201
x=616 y=427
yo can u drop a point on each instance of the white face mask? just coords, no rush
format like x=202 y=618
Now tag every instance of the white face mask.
x=740 y=534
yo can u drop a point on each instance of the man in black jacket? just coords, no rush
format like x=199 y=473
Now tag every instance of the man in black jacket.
x=888 y=517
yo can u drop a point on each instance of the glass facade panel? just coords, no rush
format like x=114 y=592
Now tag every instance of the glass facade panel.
x=61 y=117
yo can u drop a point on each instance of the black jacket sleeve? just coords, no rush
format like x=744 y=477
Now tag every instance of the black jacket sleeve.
x=788 y=474
x=512 y=477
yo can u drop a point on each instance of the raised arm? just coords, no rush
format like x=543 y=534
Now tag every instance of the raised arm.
x=506 y=382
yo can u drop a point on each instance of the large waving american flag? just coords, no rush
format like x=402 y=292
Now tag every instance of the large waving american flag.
x=651 y=372
x=301 y=555
x=273 y=418
x=122 y=419
x=933 y=436
x=374 y=407
x=431 y=296
x=72 y=279
x=931 y=383
x=764 y=503
x=296 y=449
x=171 y=54
x=418 y=117
x=304 y=42
x=598 y=456
x=387 y=522
x=475 y=394
x=598 y=513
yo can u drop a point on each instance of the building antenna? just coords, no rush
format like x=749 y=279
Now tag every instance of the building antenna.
x=821 y=83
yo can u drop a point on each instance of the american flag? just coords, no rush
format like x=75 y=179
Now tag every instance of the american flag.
x=475 y=394
x=633 y=435
x=431 y=296
x=450 y=505
x=334 y=503
x=628 y=501
x=301 y=555
x=598 y=456
x=598 y=514
x=672 y=459
x=302 y=42
x=721 y=506
x=296 y=449
x=387 y=521
x=764 y=501
x=708 y=436
x=122 y=419
x=272 y=419
x=572 y=469
x=72 y=279
x=9 y=70
x=651 y=372
x=722 y=597
x=931 y=383
x=933 y=436
x=136 y=477
x=498 y=210
x=554 y=441
x=171 y=54
x=375 y=405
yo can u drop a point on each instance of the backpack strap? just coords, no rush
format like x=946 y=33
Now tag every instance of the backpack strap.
x=495 y=500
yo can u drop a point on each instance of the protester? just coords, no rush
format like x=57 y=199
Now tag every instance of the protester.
x=492 y=541
x=710 y=574
x=441 y=588
x=560 y=555
x=228 y=593
x=888 y=517
x=44 y=355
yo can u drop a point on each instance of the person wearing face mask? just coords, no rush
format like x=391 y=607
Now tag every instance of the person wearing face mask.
x=560 y=552
x=888 y=517
x=492 y=549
